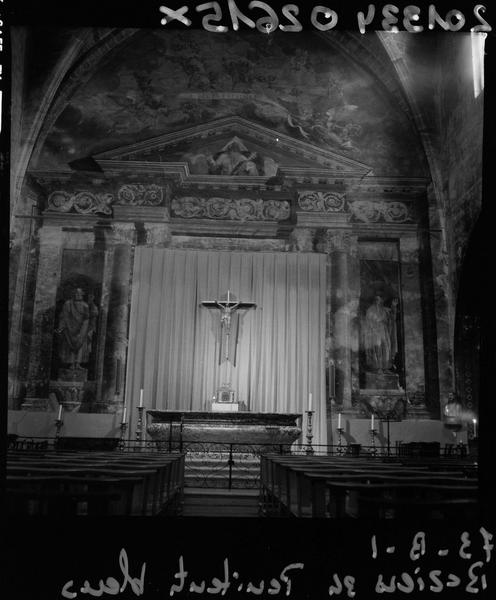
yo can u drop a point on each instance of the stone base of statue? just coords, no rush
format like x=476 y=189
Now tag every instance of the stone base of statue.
x=385 y=404
x=36 y=404
x=70 y=393
x=381 y=380
x=73 y=374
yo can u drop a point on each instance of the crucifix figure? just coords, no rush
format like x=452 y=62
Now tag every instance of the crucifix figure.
x=227 y=312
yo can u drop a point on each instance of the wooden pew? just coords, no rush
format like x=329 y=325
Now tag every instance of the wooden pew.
x=65 y=495
x=299 y=484
x=373 y=499
x=159 y=478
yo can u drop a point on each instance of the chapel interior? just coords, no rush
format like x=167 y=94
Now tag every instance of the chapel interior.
x=244 y=239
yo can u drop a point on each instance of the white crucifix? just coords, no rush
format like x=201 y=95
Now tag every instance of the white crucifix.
x=227 y=309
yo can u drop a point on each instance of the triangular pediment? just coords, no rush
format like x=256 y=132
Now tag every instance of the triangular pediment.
x=229 y=147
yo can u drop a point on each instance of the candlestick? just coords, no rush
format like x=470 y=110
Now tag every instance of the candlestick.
x=340 y=449
x=373 y=433
x=339 y=421
x=139 y=424
x=141 y=398
x=58 y=421
x=310 y=402
x=474 y=421
x=122 y=443
x=372 y=422
x=124 y=412
x=309 y=448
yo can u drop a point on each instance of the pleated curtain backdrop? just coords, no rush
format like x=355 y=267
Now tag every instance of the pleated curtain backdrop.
x=174 y=340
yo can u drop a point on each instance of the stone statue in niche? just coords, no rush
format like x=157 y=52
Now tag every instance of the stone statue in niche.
x=380 y=337
x=76 y=327
x=380 y=343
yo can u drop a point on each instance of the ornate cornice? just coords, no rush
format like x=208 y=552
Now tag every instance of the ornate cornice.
x=381 y=211
x=317 y=201
x=361 y=210
x=83 y=203
x=234 y=209
x=87 y=202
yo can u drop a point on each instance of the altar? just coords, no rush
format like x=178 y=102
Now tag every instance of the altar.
x=261 y=430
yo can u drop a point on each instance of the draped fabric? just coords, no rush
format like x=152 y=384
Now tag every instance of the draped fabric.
x=174 y=340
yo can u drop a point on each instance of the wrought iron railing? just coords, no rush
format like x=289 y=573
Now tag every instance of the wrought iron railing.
x=234 y=465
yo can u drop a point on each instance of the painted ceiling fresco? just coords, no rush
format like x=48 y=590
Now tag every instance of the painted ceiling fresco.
x=161 y=82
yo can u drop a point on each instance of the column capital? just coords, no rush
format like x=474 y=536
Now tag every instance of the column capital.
x=337 y=241
x=301 y=239
x=124 y=233
x=157 y=234
x=51 y=235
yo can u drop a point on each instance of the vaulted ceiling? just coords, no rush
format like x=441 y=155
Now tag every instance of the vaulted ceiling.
x=88 y=91
x=157 y=82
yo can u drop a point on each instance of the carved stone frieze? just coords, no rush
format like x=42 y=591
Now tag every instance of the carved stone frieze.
x=87 y=202
x=235 y=209
x=315 y=201
x=140 y=195
x=374 y=211
x=83 y=202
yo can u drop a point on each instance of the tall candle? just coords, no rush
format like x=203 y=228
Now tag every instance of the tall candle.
x=141 y=398
x=59 y=417
x=309 y=401
x=124 y=414
x=372 y=422
x=474 y=421
x=339 y=421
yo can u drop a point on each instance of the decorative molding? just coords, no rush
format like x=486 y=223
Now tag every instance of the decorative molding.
x=253 y=132
x=315 y=201
x=235 y=209
x=140 y=195
x=376 y=211
x=83 y=203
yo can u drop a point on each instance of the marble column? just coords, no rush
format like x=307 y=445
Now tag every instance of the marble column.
x=40 y=354
x=122 y=240
x=22 y=265
x=342 y=252
x=446 y=372
x=100 y=374
x=413 y=333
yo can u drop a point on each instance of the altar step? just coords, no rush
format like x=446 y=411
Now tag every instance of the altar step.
x=212 y=471
x=201 y=502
